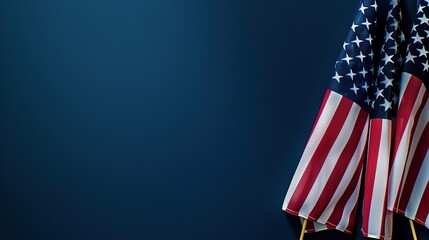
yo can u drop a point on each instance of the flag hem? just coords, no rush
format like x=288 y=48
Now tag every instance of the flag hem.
x=328 y=224
x=415 y=219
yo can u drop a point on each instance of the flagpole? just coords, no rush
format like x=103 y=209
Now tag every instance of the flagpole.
x=304 y=225
x=413 y=230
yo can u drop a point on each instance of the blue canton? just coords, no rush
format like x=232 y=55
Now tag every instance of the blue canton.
x=386 y=85
x=354 y=76
x=354 y=69
x=417 y=55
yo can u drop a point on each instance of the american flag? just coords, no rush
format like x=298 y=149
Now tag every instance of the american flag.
x=326 y=184
x=356 y=124
x=376 y=221
x=408 y=189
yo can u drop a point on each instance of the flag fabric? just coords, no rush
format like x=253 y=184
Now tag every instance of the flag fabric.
x=376 y=220
x=378 y=119
x=408 y=189
x=326 y=184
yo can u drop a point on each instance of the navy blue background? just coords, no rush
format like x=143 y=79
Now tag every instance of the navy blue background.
x=160 y=119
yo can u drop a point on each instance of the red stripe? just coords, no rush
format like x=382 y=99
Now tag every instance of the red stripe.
x=423 y=210
x=407 y=103
x=336 y=215
x=394 y=124
x=330 y=227
x=352 y=220
x=414 y=169
x=340 y=166
x=412 y=93
x=310 y=226
x=316 y=162
x=373 y=151
x=325 y=99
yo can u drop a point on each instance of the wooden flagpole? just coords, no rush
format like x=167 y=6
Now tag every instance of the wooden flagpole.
x=413 y=230
x=304 y=225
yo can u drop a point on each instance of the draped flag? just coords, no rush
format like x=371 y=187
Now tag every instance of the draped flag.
x=408 y=189
x=381 y=118
x=376 y=221
x=326 y=184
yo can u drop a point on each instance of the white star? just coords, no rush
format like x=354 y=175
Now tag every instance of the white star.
x=414 y=28
x=427 y=33
x=387 y=82
x=422 y=51
x=390 y=36
x=361 y=56
x=369 y=39
x=380 y=70
x=347 y=59
x=351 y=74
x=357 y=41
x=337 y=77
x=366 y=23
x=394 y=24
x=362 y=8
x=421 y=8
x=374 y=5
x=424 y=19
x=417 y=38
x=386 y=105
x=354 y=88
x=365 y=86
x=354 y=26
x=401 y=37
x=410 y=57
x=425 y=66
x=371 y=55
x=345 y=44
x=363 y=72
x=367 y=100
x=379 y=93
x=394 y=47
x=387 y=58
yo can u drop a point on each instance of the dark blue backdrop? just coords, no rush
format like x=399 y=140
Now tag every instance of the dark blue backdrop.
x=159 y=119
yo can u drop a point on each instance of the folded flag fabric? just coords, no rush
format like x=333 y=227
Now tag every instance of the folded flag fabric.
x=374 y=118
x=376 y=220
x=408 y=188
x=325 y=186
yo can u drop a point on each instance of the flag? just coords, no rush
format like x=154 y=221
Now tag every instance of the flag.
x=326 y=184
x=376 y=220
x=408 y=189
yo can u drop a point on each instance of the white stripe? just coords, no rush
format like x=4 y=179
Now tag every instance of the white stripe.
x=348 y=174
x=319 y=130
x=350 y=205
x=331 y=160
x=419 y=188
x=376 y=215
x=421 y=124
x=405 y=79
x=427 y=222
x=401 y=155
x=319 y=227
x=388 y=225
